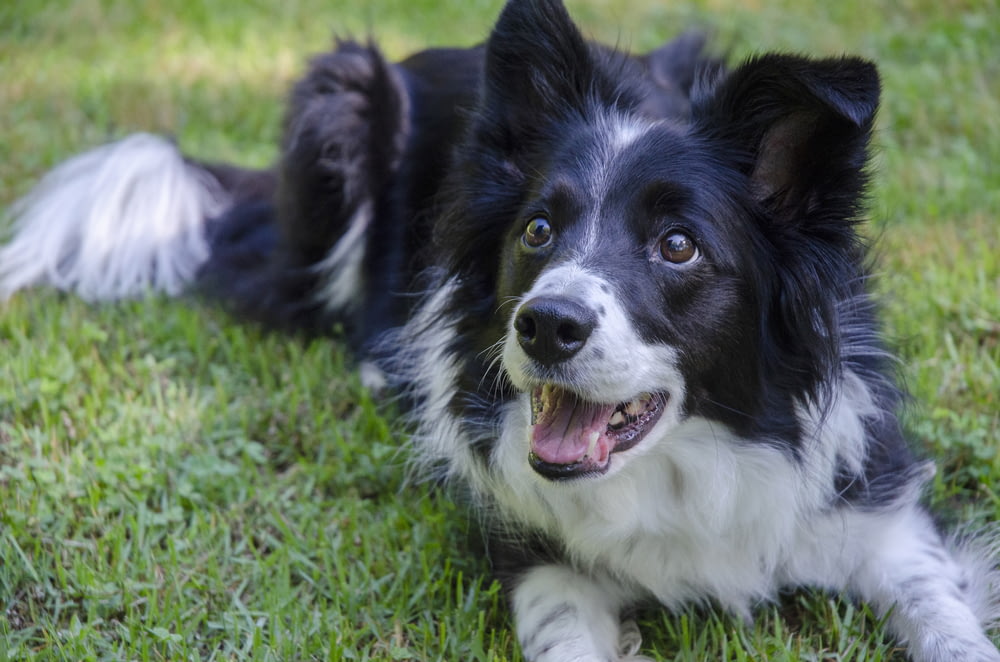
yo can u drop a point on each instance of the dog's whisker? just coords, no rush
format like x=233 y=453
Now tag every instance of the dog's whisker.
x=494 y=355
x=510 y=300
x=720 y=405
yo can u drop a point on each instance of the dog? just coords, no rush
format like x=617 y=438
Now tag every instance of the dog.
x=624 y=297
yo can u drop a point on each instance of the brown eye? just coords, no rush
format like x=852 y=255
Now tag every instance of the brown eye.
x=538 y=233
x=678 y=248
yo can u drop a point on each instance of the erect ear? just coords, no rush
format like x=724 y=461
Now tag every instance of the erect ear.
x=801 y=128
x=538 y=66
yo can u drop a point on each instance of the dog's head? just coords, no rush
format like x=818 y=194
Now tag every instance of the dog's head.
x=635 y=270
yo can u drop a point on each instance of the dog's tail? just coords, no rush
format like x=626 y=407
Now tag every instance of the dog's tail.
x=283 y=246
x=119 y=221
x=344 y=134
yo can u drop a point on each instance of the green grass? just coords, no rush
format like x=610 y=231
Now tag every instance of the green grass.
x=174 y=486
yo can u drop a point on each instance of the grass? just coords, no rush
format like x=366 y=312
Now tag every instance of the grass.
x=174 y=486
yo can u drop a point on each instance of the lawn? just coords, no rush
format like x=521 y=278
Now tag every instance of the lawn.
x=175 y=486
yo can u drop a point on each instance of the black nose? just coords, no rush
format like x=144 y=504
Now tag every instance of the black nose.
x=552 y=329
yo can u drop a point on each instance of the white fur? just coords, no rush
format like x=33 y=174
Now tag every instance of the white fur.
x=908 y=572
x=705 y=515
x=341 y=268
x=977 y=552
x=617 y=134
x=693 y=512
x=372 y=377
x=421 y=360
x=119 y=221
x=570 y=616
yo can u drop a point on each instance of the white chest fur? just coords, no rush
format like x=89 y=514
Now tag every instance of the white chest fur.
x=694 y=512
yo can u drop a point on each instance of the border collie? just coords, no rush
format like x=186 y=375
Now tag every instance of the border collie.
x=625 y=298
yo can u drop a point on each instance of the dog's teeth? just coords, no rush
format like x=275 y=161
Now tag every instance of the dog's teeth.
x=635 y=407
x=592 y=442
x=617 y=419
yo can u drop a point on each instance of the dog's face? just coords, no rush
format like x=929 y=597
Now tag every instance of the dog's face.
x=624 y=283
x=648 y=269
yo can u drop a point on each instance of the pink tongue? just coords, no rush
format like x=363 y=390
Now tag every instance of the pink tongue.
x=565 y=427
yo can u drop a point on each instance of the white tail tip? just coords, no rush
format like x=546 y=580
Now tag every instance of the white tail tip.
x=119 y=221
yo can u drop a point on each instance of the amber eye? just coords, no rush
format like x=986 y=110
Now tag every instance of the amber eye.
x=678 y=248
x=537 y=233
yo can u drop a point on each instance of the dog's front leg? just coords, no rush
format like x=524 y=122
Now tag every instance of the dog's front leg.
x=562 y=614
x=936 y=598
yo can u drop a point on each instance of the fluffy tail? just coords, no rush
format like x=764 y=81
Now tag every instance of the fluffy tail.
x=283 y=247
x=119 y=221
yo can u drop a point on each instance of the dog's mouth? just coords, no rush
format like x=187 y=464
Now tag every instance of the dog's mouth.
x=571 y=437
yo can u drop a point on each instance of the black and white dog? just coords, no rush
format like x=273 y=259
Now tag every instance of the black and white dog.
x=625 y=297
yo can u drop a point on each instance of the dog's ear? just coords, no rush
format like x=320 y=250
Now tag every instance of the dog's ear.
x=538 y=67
x=800 y=129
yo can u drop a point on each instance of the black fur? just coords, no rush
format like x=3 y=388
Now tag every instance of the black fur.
x=618 y=292
x=764 y=167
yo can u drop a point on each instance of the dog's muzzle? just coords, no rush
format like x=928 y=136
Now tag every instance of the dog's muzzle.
x=573 y=433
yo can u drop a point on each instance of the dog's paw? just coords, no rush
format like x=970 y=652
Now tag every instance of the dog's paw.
x=629 y=642
x=372 y=378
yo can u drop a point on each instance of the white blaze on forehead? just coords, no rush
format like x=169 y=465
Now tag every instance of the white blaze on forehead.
x=625 y=131
x=613 y=137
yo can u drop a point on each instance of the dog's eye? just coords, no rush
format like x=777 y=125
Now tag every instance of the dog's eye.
x=537 y=233
x=678 y=248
